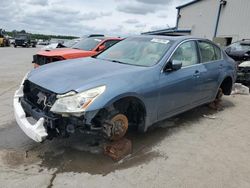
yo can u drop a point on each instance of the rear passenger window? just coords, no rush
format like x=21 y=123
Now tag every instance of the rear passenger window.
x=209 y=52
x=186 y=53
x=217 y=52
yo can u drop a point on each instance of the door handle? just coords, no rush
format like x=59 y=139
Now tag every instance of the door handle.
x=221 y=66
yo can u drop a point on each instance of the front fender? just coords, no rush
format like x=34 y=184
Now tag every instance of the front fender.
x=130 y=94
x=107 y=100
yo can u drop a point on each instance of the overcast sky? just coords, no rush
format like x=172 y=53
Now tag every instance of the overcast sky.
x=79 y=17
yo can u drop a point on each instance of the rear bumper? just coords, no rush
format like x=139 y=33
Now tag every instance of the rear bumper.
x=36 y=132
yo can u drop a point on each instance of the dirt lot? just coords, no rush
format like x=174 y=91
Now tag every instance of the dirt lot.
x=189 y=150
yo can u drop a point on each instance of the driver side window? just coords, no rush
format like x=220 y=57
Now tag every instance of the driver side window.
x=186 y=53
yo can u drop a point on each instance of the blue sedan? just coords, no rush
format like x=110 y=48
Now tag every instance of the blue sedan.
x=137 y=82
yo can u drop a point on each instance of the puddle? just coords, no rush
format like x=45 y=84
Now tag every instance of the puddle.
x=72 y=160
x=74 y=155
x=12 y=137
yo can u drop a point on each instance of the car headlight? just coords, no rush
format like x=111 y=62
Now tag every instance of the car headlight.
x=73 y=102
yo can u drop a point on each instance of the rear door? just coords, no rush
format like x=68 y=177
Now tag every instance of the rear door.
x=211 y=59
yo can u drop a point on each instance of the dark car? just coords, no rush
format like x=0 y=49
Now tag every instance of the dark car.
x=243 y=73
x=135 y=83
x=24 y=40
x=240 y=52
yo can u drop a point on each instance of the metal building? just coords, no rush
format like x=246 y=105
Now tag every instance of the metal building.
x=223 y=21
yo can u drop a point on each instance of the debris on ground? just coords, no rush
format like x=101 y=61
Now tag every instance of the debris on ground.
x=209 y=116
x=119 y=149
x=239 y=88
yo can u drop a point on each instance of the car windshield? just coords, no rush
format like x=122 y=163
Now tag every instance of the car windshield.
x=139 y=51
x=239 y=46
x=87 y=44
x=70 y=43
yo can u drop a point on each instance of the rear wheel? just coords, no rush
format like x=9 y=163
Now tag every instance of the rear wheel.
x=216 y=104
x=219 y=94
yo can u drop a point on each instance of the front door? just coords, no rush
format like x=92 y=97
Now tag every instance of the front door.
x=178 y=89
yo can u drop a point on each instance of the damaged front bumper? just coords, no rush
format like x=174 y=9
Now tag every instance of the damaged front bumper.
x=243 y=73
x=49 y=125
x=37 y=131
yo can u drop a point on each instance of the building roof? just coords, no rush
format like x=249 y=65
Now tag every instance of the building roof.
x=173 y=30
x=187 y=4
x=169 y=31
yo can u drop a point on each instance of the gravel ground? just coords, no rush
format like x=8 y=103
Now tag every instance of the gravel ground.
x=190 y=150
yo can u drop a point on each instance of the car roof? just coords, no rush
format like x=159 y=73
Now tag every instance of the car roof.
x=106 y=38
x=173 y=38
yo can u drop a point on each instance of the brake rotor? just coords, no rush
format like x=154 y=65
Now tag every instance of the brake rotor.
x=119 y=126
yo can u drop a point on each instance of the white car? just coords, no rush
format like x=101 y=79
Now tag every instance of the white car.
x=55 y=45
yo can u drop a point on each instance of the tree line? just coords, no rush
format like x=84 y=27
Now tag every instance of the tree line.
x=39 y=36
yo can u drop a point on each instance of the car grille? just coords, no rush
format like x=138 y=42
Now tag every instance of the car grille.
x=38 y=96
x=41 y=60
x=244 y=69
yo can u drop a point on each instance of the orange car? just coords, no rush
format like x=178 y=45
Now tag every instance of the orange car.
x=85 y=48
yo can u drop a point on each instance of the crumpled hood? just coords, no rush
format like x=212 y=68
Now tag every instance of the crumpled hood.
x=245 y=64
x=237 y=53
x=64 y=76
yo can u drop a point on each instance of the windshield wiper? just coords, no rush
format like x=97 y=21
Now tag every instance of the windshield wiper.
x=116 y=61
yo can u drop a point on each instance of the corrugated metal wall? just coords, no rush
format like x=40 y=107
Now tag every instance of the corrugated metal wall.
x=201 y=18
x=235 y=20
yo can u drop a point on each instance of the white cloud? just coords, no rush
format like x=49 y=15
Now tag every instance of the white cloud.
x=131 y=21
x=77 y=17
x=39 y=2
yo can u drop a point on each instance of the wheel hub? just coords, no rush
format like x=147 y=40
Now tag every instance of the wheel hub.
x=119 y=126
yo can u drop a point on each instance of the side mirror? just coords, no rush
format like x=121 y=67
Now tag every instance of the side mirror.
x=176 y=65
x=173 y=65
x=101 y=48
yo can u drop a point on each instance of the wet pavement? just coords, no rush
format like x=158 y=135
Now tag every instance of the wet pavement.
x=79 y=154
